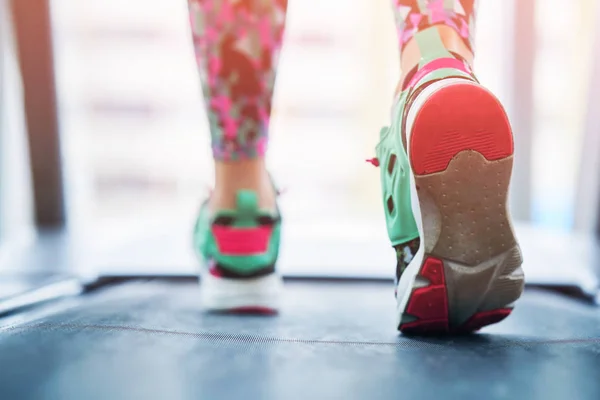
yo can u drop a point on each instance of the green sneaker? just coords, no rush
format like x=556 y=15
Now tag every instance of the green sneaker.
x=446 y=162
x=239 y=249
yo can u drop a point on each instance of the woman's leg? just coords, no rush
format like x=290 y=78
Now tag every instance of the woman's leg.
x=454 y=20
x=237 y=44
x=237 y=233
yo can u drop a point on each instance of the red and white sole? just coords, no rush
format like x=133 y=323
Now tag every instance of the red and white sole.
x=467 y=273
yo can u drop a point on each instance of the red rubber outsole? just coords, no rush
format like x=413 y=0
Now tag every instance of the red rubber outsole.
x=430 y=305
x=472 y=119
x=256 y=310
x=453 y=119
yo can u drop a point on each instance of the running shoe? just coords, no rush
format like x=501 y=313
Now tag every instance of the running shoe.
x=446 y=162
x=239 y=249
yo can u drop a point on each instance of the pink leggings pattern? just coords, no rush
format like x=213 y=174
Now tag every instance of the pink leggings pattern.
x=413 y=16
x=237 y=44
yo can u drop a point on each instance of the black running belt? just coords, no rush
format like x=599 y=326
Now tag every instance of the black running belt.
x=149 y=340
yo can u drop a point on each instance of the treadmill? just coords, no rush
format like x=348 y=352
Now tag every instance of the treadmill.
x=126 y=323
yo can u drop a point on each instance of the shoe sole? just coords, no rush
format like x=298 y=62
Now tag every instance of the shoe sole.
x=254 y=296
x=468 y=274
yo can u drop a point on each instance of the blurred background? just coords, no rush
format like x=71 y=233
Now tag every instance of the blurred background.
x=131 y=138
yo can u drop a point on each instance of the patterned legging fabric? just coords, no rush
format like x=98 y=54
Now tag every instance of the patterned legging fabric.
x=237 y=45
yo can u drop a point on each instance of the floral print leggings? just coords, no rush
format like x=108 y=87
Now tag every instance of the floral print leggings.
x=237 y=44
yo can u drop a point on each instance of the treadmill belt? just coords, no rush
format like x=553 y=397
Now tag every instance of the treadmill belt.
x=149 y=340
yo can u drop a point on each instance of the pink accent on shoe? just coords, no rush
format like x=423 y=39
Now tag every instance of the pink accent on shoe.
x=259 y=310
x=213 y=270
x=242 y=241
x=374 y=161
x=438 y=64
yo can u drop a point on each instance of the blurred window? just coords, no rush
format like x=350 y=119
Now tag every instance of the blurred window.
x=135 y=134
x=15 y=189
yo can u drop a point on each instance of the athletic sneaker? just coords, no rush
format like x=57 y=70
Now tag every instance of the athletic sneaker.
x=446 y=162
x=239 y=249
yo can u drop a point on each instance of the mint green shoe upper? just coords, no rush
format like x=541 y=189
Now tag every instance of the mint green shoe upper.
x=391 y=150
x=242 y=242
x=395 y=184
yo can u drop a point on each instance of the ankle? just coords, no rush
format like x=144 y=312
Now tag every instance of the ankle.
x=232 y=176
x=411 y=55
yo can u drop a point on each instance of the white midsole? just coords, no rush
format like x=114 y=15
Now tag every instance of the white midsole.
x=222 y=293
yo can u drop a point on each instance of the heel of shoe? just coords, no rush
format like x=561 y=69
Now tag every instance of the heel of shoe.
x=460 y=149
x=239 y=248
x=241 y=242
x=452 y=115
